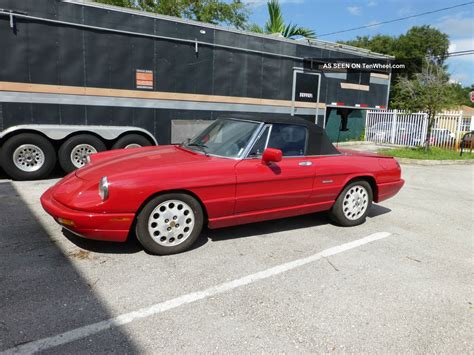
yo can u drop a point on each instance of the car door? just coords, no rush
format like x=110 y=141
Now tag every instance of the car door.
x=278 y=184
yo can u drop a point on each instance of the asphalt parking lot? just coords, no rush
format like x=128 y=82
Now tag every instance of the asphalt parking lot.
x=400 y=283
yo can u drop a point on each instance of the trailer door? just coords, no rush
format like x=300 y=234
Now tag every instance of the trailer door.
x=306 y=87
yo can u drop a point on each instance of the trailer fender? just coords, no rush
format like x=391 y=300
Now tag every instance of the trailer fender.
x=59 y=132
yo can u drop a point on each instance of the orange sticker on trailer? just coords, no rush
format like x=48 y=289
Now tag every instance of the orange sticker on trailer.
x=144 y=79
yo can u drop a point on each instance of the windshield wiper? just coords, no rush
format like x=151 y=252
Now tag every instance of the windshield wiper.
x=202 y=147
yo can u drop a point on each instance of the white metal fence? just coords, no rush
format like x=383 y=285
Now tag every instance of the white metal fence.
x=409 y=129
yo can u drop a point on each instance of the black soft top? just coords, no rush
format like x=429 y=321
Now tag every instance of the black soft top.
x=318 y=141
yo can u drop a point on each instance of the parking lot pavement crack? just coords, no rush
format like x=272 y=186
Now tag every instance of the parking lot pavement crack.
x=330 y=263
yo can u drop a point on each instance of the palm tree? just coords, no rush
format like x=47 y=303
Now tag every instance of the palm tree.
x=276 y=24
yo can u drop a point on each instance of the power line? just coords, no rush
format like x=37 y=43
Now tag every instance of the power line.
x=455 y=54
x=460 y=54
x=397 y=19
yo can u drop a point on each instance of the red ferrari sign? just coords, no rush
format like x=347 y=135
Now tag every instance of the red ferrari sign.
x=471 y=96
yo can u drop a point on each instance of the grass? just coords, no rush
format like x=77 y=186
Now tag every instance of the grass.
x=432 y=154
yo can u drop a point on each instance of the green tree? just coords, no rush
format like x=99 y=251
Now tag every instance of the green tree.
x=428 y=91
x=461 y=94
x=276 y=24
x=233 y=12
x=412 y=48
x=379 y=43
x=418 y=43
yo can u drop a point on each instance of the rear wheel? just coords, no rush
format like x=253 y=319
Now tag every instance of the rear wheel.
x=74 y=151
x=131 y=141
x=28 y=156
x=353 y=204
x=169 y=224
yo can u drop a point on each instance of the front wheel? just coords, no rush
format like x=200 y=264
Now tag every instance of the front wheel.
x=169 y=223
x=353 y=204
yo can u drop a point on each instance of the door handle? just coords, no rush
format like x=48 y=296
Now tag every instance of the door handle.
x=305 y=163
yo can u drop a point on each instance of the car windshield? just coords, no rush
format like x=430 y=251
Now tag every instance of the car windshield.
x=225 y=137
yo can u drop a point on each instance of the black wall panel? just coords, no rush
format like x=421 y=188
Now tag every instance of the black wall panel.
x=184 y=68
x=14 y=51
x=14 y=5
x=16 y=114
x=166 y=28
x=43 y=52
x=121 y=116
x=238 y=64
x=71 y=65
x=204 y=66
x=378 y=94
x=255 y=43
x=254 y=75
x=40 y=7
x=120 y=57
x=164 y=66
x=222 y=72
x=270 y=78
x=46 y=113
x=66 y=12
x=100 y=115
x=97 y=48
x=144 y=118
x=72 y=114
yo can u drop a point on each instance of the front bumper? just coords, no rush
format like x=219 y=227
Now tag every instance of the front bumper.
x=99 y=226
x=389 y=189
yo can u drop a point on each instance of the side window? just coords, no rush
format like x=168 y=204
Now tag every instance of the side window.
x=259 y=146
x=290 y=139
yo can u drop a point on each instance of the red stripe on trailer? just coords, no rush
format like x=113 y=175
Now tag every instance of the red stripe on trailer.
x=361 y=105
x=337 y=103
x=380 y=106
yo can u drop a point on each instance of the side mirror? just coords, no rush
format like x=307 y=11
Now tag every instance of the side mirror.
x=271 y=155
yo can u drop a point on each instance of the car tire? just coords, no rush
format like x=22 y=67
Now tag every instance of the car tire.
x=353 y=204
x=131 y=141
x=73 y=152
x=169 y=224
x=28 y=156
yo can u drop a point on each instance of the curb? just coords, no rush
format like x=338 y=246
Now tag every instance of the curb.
x=353 y=143
x=434 y=162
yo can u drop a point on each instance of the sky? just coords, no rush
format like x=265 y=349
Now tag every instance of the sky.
x=325 y=16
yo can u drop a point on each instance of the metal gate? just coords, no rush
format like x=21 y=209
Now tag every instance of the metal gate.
x=409 y=129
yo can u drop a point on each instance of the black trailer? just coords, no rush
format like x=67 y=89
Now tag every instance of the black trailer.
x=78 y=77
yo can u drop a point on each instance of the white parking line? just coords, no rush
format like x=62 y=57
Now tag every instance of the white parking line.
x=91 y=329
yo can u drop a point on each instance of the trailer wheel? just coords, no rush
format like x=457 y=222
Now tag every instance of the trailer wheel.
x=131 y=141
x=74 y=151
x=28 y=156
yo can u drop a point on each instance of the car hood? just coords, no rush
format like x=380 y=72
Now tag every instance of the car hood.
x=136 y=161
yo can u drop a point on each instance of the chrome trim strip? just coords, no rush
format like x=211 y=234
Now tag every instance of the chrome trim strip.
x=258 y=137
x=252 y=140
x=67 y=99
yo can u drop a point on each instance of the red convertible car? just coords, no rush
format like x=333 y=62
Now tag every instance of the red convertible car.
x=238 y=170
